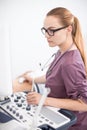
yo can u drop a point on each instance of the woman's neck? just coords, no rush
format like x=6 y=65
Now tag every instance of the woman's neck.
x=71 y=46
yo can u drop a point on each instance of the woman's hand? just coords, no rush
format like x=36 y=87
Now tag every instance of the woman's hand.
x=26 y=77
x=33 y=98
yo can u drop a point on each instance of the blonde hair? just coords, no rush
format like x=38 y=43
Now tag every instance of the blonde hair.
x=67 y=18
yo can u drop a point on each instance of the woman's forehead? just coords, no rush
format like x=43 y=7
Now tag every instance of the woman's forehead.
x=51 y=21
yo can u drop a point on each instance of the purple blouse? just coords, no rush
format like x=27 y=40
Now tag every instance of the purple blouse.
x=66 y=77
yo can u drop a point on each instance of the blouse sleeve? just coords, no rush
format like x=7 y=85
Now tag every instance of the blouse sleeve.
x=75 y=81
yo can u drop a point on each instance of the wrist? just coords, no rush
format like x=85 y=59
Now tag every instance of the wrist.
x=32 y=80
x=46 y=102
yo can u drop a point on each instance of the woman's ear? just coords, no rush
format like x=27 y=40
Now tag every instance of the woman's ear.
x=69 y=28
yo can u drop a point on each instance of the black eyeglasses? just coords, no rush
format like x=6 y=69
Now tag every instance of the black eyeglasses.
x=51 y=31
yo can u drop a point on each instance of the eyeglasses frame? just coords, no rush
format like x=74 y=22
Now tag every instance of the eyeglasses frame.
x=54 y=30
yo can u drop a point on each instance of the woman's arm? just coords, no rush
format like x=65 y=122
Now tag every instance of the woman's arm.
x=70 y=104
x=40 y=80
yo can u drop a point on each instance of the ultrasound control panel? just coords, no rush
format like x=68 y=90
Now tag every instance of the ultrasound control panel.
x=24 y=113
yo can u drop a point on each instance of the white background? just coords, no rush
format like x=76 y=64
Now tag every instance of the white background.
x=25 y=17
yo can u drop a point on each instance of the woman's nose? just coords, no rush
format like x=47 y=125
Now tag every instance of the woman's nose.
x=46 y=35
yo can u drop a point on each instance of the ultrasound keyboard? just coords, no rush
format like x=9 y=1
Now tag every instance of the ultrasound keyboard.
x=49 y=118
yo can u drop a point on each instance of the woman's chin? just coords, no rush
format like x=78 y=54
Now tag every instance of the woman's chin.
x=51 y=45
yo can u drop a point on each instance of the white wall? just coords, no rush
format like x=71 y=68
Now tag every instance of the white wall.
x=28 y=45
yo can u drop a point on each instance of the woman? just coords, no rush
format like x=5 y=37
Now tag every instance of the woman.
x=66 y=76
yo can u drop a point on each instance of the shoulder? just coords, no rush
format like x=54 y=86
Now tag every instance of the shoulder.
x=73 y=63
x=72 y=58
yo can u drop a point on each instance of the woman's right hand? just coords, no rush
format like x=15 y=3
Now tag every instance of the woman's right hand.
x=26 y=77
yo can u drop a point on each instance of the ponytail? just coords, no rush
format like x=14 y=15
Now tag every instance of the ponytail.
x=78 y=40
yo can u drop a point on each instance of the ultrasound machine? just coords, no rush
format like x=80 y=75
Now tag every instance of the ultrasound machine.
x=15 y=113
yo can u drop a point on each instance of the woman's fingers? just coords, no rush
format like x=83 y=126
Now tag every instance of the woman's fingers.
x=33 y=98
